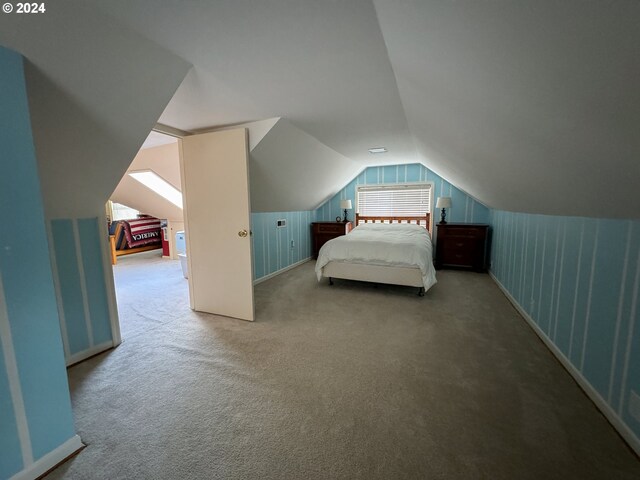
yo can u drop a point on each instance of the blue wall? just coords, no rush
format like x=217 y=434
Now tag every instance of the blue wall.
x=35 y=413
x=463 y=207
x=80 y=278
x=578 y=279
x=272 y=245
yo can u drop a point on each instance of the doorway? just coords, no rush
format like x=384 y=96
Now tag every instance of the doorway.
x=145 y=216
x=210 y=172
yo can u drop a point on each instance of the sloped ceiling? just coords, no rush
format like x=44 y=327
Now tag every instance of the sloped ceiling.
x=283 y=161
x=322 y=65
x=528 y=106
x=95 y=90
x=164 y=160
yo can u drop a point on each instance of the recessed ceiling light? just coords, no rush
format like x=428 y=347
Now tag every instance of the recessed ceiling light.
x=378 y=150
x=159 y=185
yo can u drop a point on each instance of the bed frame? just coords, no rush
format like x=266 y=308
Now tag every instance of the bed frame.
x=118 y=253
x=424 y=221
x=406 y=276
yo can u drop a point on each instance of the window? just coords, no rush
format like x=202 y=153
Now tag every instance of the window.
x=398 y=200
x=159 y=185
x=122 y=212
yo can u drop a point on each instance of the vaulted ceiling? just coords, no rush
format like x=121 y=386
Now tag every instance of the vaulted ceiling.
x=527 y=106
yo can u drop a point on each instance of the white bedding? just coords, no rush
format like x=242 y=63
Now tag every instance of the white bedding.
x=398 y=245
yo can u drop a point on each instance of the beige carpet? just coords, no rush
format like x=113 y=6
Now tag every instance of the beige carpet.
x=352 y=381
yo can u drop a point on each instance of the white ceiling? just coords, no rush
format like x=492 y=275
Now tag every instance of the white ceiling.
x=278 y=177
x=528 y=106
x=95 y=89
x=162 y=160
x=322 y=65
x=156 y=139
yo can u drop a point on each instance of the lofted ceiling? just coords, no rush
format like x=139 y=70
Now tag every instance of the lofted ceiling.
x=95 y=91
x=322 y=65
x=527 y=106
x=163 y=159
x=279 y=180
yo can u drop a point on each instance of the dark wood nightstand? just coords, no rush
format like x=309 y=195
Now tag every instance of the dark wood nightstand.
x=322 y=232
x=462 y=245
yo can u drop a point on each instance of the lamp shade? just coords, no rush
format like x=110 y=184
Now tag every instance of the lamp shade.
x=345 y=204
x=443 y=202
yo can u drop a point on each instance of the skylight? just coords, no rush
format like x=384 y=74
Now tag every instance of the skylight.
x=159 y=185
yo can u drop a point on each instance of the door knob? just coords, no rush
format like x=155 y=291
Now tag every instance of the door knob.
x=242 y=233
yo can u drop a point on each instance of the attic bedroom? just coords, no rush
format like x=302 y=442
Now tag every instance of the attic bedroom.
x=151 y=189
x=412 y=240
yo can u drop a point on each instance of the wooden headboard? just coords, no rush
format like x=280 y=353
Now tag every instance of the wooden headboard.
x=422 y=221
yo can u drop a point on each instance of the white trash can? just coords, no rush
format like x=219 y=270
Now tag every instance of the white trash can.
x=183 y=264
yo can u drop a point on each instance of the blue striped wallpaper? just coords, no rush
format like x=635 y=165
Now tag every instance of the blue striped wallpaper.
x=33 y=362
x=96 y=288
x=68 y=275
x=11 y=458
x=578 y=279
x=82 y=288
x=272 y=249
x=463 y=207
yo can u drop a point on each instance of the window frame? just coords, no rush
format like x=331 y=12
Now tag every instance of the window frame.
x=430 y=186
x=111 y=211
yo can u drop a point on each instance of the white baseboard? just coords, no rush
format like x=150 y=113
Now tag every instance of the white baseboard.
x=282 y=270
x=90 y=352
x=50 y=460
x=625 y=432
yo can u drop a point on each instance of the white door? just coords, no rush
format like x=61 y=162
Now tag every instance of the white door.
x=215 y=188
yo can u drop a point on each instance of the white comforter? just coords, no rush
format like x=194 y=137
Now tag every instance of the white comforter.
x=399 y=245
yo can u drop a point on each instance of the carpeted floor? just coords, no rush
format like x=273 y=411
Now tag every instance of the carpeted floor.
x=352 y=381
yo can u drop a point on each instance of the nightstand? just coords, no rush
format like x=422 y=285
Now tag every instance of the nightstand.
x=462 y=245
x=322 y=232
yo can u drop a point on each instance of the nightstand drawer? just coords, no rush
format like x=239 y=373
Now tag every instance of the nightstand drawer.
x=331 y=228
x=466 y=231
x=458 y=243
x=462 y=257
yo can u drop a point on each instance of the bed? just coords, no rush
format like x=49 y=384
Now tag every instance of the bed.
x=134 y=236
x=392 y=250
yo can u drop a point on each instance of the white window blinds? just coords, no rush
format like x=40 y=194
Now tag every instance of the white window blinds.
x=411 y=200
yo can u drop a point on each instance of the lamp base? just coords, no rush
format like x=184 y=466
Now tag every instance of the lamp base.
x=443 y=215
x=344 y=220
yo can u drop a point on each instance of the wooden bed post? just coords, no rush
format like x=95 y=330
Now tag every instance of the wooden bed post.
x=112 y=244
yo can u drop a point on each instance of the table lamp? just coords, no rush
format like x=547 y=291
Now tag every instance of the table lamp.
x=443 y=203
x=346 y=204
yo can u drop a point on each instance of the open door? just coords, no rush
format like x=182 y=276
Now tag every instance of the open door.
x=215 y=188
